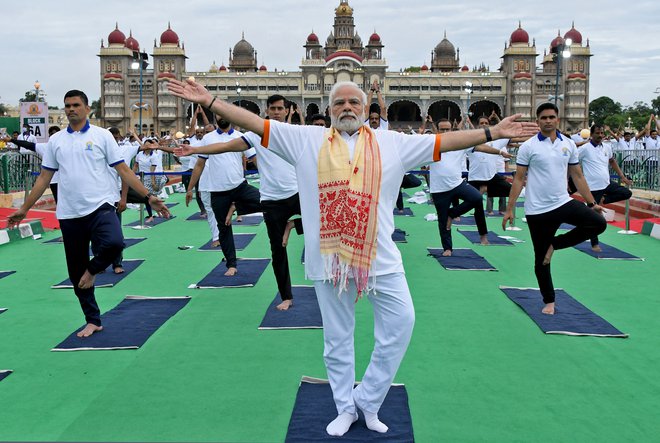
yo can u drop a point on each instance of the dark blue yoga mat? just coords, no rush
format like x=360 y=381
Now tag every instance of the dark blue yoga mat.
x=249 y=271
x=608 y=253
x=465 y=220
x=571 y=317
x=170 y=205
x=128 y=325
x=399 y=236
x=304 y=314
x=4 y=274
x=196 y=216
x=314 y=409
x=241 y=241
x=407 y=212
x=302 y=256
x=249 y=220
x=4 y=373
x=157 y=221
x=494 y=240
x=108 y=278
x=461 y=260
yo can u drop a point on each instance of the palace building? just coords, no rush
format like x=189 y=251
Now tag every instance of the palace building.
x=442 y=90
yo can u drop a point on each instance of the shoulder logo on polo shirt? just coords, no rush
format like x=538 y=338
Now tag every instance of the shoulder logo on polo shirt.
x=564 y=151
x=88 y=146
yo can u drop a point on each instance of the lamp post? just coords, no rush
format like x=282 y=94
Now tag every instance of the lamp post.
x=140 y=62
x=468 y=91
x=238 y=91
x=561 y=51
x=37 y=85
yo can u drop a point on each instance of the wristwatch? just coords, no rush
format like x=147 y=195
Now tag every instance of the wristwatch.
x=591 y=205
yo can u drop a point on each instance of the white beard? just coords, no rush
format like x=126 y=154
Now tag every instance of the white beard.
x=348 y=125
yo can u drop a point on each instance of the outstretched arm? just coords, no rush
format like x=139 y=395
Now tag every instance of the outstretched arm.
x=196 y=93
x=233 y=145
x=507 y=128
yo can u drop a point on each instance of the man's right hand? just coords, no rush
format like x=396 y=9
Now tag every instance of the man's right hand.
x=189 y=197
x=508 y=216
x=15 y=219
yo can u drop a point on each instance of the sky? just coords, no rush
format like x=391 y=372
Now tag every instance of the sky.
x=56 y=43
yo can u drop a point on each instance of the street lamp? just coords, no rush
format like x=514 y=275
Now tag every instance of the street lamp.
x=37 y=85
x=238 y=91
x=468 y=91
x=140 y=62
x=561 y=51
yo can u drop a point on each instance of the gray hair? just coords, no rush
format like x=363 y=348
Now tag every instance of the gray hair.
x=336 y=87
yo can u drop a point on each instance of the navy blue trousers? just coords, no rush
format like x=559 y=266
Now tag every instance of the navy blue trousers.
x=102 y=228
x=443 y=200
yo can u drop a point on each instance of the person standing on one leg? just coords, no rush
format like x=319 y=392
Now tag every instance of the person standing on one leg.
x=596 y=159
x=546 y=159
x=87 y=194
x=348 y=179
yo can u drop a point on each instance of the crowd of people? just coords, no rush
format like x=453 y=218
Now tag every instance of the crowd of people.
x=336 y=181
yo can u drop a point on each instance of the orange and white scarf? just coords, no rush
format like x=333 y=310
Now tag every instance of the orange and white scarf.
x=348 y=198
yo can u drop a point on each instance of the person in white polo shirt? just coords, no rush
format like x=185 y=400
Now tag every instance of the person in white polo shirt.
x=278 y=190
x=596 y=159
x=87 y=194
x=348 y=179
x=545 y=160
x=227 y=186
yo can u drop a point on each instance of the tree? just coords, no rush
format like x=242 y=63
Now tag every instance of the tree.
x=96 y=109
x=3 y=109
x=655 y=104
x=30 y=96
x=603 y=107
x=639 y=113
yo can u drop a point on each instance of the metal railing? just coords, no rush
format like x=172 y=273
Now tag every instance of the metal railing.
x=16 y=171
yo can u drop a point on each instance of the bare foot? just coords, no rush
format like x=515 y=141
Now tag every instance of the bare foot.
x=231 y=272
x=549 y=308
x=399 y=211
x=285 y=305
x=88 y=330
x=490 y=213
x=230 y=213
x=457 y=219
x=596 y=248
x=287 y=230
x=215 y=244
x=203 y=215
x=149 y=220
x=86 y=281
x=484 y=240
x=446 y=253
x=119 y=270
x=548 y=256
x=239 y=218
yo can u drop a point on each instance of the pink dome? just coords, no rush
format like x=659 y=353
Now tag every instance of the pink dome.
x=169 y=37
x=132 y=43
x=574 y=35
x=424 y=67
x=116 y=37
x=519 y=36
x=313 y=38
x=263 y=68
x=465 y=68
x=374 y=37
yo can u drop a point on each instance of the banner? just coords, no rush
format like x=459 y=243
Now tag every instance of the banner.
x=35 y=115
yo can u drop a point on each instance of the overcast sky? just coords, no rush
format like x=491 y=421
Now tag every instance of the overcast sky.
x=57 y=42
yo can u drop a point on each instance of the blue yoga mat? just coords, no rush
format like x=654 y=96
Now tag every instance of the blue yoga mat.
x=494 y=240
x=302 y=256
x=171 y=205
x=608 y=253
x=241 y=241
x=249 y=271
x=4 y=373
x=314 y=409
x=195 y=217
x=399 y=236
x=304 y=314
x=466 y=220
x=4 y=274
x=571 y=317
x=157 y=221
x=407 y=212
x=249 y=220
x=108 y=278
x=128 y=325
x=461 y=260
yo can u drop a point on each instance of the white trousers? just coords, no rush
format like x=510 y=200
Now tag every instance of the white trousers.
x=394 y=317
x=210 y=217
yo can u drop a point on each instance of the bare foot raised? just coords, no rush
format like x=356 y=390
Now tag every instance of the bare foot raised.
x=215 y=244
x=285 y=305
x=230 y=214
x=549 y=309
x=483 y=239
x=287 y=230
x=86 y=281
x=548 y=256
x=446 y=253
x=119 y=270
x=596 y=248
x=88 y=330
x=231 y=272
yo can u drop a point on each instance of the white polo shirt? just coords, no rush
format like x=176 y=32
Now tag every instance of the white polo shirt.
x=278 y=178
x=445 y=175
x=652 y=143
x=484 y=166
x=547 y=178
x=146 y=161
x=27 y=137
x=40 y=150
x=300 y=146
x=225 y=170
x=595 y=161
x=623 y=145
x=83 y=157
x=127 y=151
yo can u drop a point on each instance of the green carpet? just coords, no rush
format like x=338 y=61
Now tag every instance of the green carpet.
x=478 y=369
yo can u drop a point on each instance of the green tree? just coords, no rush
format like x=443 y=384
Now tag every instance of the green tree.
x=30 y=96
x=96 y=109
x=603 y=107
x=638 y=113
x=3 y=109
x=655 y=104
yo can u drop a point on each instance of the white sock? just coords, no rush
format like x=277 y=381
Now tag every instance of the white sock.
x=340 y=425
x=373 y=423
